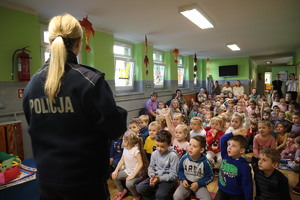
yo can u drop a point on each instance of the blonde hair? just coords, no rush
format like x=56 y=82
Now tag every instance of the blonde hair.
x=217 y=119
x=64 y=31
x=197 y=119
x=267 y=123
x=156 y=124
x=144 y=118
x=132 y=138
x=178 y=115
x=161 y=119
x=240 y=116
x=174 y=100
x=185 y=130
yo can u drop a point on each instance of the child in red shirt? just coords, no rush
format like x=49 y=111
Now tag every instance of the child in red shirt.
x=213 y=135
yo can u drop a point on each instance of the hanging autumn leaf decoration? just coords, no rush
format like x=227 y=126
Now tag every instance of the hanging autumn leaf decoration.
x=146 y=59
x=176 y=53
x=88 y=29
x=195 y=66
x=207 y=61
x=207 y=65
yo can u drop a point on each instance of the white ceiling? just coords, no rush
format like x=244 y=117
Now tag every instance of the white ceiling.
x=264 y=29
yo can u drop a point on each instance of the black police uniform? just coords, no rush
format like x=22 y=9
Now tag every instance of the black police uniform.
x=70 y=138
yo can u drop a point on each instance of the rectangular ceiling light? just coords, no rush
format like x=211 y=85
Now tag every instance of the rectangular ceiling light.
x=233 y=47
x=195 y=14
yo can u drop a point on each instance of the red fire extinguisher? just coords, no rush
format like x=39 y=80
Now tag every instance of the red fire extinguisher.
x=23 y=61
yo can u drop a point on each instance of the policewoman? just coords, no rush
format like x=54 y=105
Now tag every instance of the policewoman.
x=72 y=116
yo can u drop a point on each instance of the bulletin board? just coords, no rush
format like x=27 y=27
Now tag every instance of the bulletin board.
x=283 y=75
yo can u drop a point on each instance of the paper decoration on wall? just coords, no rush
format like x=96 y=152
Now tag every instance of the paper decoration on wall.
x=195 y=66
x=207 y=61
x=88 y=29
x=176 y=53
x=146 y=59
x=207 y=65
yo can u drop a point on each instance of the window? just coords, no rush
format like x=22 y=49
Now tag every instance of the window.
x=159 y=75
x=45 y=51
x=124 y=73
x=180 y=72
x=158 y=70
x=124 y=67
x=122 y=50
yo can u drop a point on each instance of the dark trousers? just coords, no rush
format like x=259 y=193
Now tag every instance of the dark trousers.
x=294 y=95
x=96 y=191
x=224 y=196
x=161 y=191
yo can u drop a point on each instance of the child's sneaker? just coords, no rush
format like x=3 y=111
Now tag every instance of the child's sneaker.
x=120 y=195
x=296 y=189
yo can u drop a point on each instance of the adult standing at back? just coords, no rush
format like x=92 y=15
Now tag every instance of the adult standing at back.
x=238 y=89
x=72 y=116
x=151 y=106
x=277 y=84
x=292 y=86
x=216 y=89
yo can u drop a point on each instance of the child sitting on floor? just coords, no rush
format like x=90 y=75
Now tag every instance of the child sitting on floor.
x=262 y=140
x=281 y=135
x=150 y=143
x=162 y=170
x=270 y=183
x=196 y=126
x=290 y=147
x=144 y=122
x=294 y=164
x=236 y=122
x=194 y=171
x=235 y=178
x=135 y=162
x=213 y=135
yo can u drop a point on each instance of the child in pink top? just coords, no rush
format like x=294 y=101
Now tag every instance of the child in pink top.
x=290 y=147
x=262 y=140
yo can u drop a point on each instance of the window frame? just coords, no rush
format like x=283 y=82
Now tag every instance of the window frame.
x=180 y=66
x=158 y=62
x=164 y=72
x=125 y=46
x=45 y=47
x=126 y=58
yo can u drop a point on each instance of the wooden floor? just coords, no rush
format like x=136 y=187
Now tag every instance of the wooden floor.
x=213 y=187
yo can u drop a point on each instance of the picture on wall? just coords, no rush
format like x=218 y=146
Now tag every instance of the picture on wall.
x=283 y=75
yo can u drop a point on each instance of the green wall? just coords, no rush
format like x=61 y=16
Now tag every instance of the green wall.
x=18 y=29
x=16 y=33
x=101 y=56
x=296 y=58
x=213 y=65
x=276 y=69
x=261 y=69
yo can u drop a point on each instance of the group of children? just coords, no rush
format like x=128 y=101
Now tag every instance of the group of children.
x=174 y=156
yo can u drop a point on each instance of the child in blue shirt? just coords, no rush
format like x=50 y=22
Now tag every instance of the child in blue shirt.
x=143 y=123
x=235 y=179
x=195 y=171
x=116 y=151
